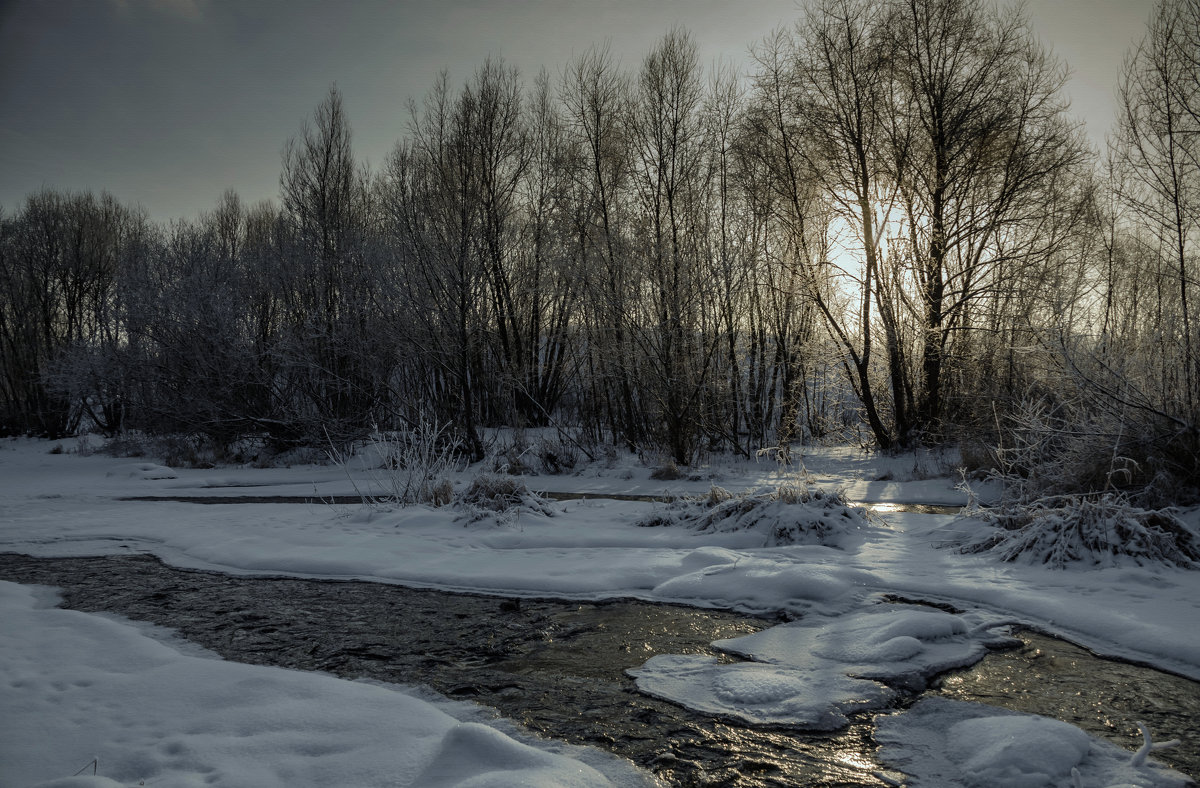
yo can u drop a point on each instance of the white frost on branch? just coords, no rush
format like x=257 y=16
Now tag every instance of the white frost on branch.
x=1138 y=760
x=1148 y=745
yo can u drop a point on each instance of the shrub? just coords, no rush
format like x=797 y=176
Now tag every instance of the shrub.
x=516 y=457
x=1102 y=530
x=790 y=514
x=1075 y=490
x=176 y=451
x=557 y=457
x=493 y=494
x=185 y=451
x=412 y=465
x=128 y=444
x=978 y=459
x=667 y=472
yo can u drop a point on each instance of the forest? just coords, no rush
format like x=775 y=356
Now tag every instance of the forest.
x=891 y=231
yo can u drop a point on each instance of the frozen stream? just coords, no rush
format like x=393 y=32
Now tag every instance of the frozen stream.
x=559 y=667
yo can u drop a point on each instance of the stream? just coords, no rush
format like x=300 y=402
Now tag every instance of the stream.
x=350 y=500
x=558 y=667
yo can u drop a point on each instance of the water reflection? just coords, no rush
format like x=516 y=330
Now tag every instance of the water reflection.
x=916 y=508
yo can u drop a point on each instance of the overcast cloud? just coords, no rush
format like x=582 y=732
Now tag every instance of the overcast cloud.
x=169 y=102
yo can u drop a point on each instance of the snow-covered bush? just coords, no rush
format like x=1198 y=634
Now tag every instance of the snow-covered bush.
x=557 y=457
x=1054 y=446
x=1050 y=447
x=667 y=472
x=494 y=494
x=523 y=457
x=514 y=458
x=1102 y=530
x=790 y=514
x=1074 y=491
x=410 y=467
x=175 y=450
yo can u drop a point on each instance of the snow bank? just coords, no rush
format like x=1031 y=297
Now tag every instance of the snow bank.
x=76 y=687
x=759 y=582
x=147 y=471
x=940 y=742
x=70 y=505
x=812 y=673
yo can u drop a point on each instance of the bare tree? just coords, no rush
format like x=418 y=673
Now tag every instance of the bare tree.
x=726 y=243
x=815 y=121
x=842 y=83
x=548 y=279
x=60 y=259
x=434 y=212
x=329 y=288
x=1157 y=144
x=669 y=174
x=595 y=97
x=984 y=142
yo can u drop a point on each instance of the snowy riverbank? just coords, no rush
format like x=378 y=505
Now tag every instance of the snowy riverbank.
x=65 y=504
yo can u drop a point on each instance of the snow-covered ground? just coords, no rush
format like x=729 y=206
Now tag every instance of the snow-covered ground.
x=90 y=693
x=64 y=673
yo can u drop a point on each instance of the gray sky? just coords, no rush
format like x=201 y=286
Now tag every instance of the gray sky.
x=167 y=103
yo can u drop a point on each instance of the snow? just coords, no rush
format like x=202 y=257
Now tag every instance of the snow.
x=790 y=514
x=811 y=673
x=76 y=687
x=901 y=645
x=941 y=742
x=759 y=694
x=147 y=471
x=844 y=652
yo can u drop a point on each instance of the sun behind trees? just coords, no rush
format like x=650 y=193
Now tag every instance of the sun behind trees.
x=890 y=231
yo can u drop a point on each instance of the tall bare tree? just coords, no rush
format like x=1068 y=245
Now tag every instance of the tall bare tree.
x=329 y=289
x=985 y=142
x=60 y=259
x=668 y=136
x=1157 y=147
x=595 y=97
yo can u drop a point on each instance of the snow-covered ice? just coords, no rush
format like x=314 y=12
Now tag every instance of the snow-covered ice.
x=69 y=505
x=811 y=673
x=943 y=743
x=900 y=645
x=760 y=694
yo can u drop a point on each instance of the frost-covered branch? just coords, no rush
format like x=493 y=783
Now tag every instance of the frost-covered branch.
x=1138 y=759
x=1149 y=745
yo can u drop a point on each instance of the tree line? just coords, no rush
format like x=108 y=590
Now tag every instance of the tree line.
x=891 y=226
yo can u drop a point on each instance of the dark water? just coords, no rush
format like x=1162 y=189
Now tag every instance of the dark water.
x=878 y=508
x=558 y=667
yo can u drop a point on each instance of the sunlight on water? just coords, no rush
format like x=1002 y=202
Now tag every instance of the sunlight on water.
x=917 y=508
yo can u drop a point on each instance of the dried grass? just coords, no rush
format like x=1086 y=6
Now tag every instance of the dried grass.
x=491 y=495
x=795 y=513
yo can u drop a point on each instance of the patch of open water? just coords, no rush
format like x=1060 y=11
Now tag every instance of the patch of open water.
x=558 y=667
x=875 y=507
